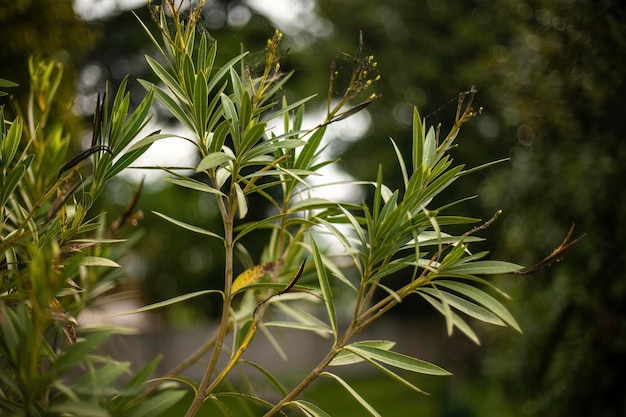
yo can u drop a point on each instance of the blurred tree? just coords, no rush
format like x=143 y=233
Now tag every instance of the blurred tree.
x=44 y=29
x=562 y=83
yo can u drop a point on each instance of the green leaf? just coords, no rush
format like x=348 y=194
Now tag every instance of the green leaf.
x=392 y=374
x=199 y=103
x=310 y=408
x=170 y=104
x=484 y=299
x=345 y=357
x=299 y=326
x=484 y=267
x=10 y=142
x=148 y=140
x=159 y=404
x=252 y=135
x=139 y=379
x=194 y=185
x=453 y=317
x=398 y=360
x=78 y=408
x=213 y=160
x=101 y=378
x=242 y=204
x=418 y=141
x=98 y=261
x=230 y=113
x=188 y=226
x=170 y=301
x=466 y=307
x=327 y=294
x=124 y=161
x=76 y=354
x=354 y=394
x=7 y=83
x=429 y=149
x=274 y=381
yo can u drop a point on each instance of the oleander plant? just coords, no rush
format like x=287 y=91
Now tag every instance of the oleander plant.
x=57 y=255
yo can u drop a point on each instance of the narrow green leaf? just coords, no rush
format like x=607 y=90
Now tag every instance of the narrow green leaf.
x=405 y=175
x=11 y=141
x=10 y=182
x=300 y=326
x=308 y=320
x=200 y=109
x=392 y=374
x=188 y=226
x=310 y=408
x=252 y=135
x=466 y=307
x=456 y=320
x=484 y=299
x=354 y=394
x=170 y=301
x=140 y=378
x=194 y=185
x=429 y=149
x=327 y=294
x=345 y=357
x=101 y=378
x=418 y=141
x=148 y=140
x=76 y=354
x=273 y=380
x=170 y=104
x=230 y=113
x=98 y=261
x=123 y=162
x=159 y=404
x=398 y=360
x=77 y=408
x=485 y=267
x=242 y=203
x=212 y=160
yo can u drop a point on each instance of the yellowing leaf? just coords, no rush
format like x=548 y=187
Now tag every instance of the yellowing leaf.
x=252 y=275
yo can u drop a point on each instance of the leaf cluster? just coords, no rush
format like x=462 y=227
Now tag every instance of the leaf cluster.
x=56 y=256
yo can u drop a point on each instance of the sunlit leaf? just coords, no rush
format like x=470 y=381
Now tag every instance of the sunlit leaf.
x=242 y=203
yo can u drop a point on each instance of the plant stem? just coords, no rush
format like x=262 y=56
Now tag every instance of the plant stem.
x=227 y=217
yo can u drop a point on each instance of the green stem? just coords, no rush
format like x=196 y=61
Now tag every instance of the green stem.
x=227 y=217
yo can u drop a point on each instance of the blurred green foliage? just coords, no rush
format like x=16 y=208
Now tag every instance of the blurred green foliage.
x=551 y=81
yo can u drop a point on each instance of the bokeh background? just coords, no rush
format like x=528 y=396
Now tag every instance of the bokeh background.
x=550 y=76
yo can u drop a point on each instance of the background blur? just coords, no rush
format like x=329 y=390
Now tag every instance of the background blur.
x=550 y=76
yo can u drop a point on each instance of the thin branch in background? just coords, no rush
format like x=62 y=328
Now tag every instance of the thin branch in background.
x=556 y=255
